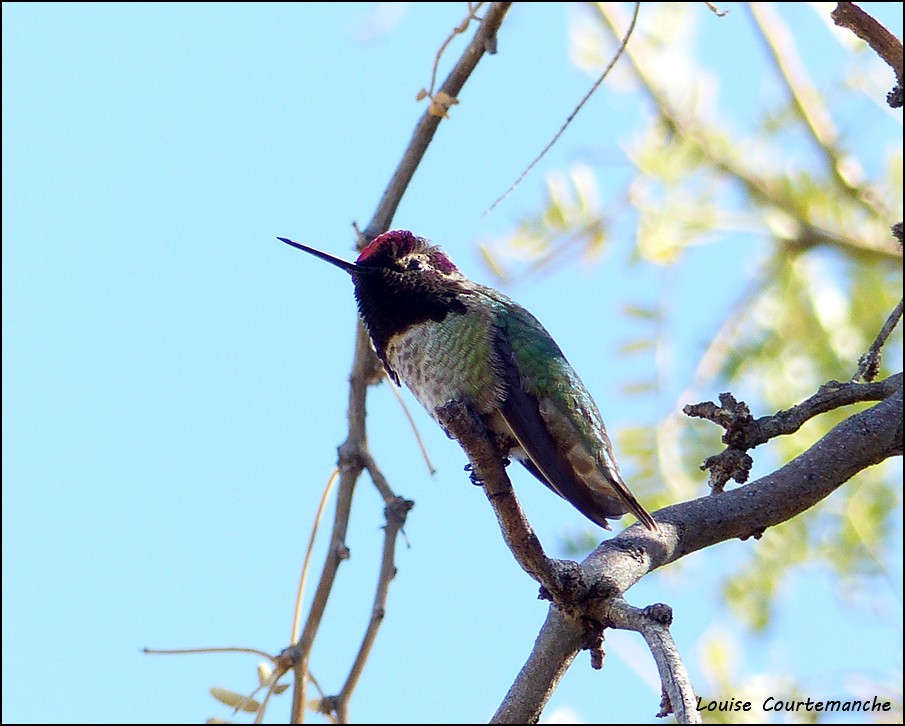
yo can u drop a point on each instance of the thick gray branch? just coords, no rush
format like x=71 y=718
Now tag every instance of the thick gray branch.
x=556 y=646
x=863 y=440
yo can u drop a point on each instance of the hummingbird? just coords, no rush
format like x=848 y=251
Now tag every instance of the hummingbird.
x=450 y=339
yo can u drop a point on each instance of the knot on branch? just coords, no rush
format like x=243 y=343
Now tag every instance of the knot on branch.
x=744 y=432
x=396 y=511
x=571 y=585
x=732 y=415
x=289 y=657
x=730 y=463
x=341 y=551
x=741 y=435
x=328 y=706
x=665 y=705
x=659 y=612
x=350 y=458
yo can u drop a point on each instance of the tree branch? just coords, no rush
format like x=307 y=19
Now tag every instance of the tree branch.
x=861 y=441
x=883 y=43
x=353 y=453
x=869 y=363
x=561 y=580
x=484 y=41
x=556 y=646
x=653 y=623
x=743 y=432
x=396 y=512
x=350 y=467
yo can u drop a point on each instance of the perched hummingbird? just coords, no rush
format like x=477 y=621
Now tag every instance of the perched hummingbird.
x=451 y=339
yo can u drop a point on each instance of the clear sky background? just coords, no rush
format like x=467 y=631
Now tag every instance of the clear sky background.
x=174 y=378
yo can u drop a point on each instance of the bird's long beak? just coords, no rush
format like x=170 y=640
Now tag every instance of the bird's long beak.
x=350 y=267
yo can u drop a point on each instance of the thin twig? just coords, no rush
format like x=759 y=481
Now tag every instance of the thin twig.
x=271 y=689
x=380 y=482
x=430 y=466
x=484 y=41
x=458 y=30
x=543 y=153
x=194 y=651
x=869 y=363
x=395 y=519
x=304 y=576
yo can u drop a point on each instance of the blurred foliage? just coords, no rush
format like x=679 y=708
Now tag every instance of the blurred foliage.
x=828 y=272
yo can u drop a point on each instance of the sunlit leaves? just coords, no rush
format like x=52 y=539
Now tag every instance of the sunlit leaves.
x=570 y=220
x=235 y=700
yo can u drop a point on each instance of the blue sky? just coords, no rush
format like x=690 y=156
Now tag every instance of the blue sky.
x=174 y=378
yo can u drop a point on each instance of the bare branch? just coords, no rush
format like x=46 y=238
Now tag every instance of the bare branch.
x=862 y=440
x=562 y=581
x=380 y=482
x=484 y=41
x=556 y=646
x=353 y=453
x=350 y=467
x=883 y=43
x=653 y=623
x=458 y=30
x=869 y=363
x=581 y=103
x=396 y=512
x=744 y=433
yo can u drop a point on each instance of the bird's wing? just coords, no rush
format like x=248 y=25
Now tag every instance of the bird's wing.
x=544 y=401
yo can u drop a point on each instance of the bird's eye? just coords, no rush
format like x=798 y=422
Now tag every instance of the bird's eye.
x=414 y=264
